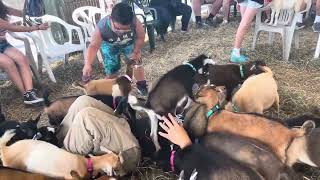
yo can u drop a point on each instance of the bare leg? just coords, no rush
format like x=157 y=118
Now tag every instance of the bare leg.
x=318 y=8
x=23 y=66
x=10 y=68
x=196 y=7
x=247 y=16
x=216 y=6
x=226 y=10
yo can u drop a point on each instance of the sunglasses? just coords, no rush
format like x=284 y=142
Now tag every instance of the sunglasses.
x=119 y=30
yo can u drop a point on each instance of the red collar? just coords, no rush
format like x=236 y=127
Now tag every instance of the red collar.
x=90 y=167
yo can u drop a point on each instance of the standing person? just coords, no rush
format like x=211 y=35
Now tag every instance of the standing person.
x=119 y=33
x=12 y=61
x=316 y=23
x=248 y=10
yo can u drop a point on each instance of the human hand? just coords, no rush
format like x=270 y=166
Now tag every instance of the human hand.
x=135 y=55
x=86 y=72
x=43 y=26
x=174 y=132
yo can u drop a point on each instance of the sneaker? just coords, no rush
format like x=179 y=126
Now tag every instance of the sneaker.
x=31 y=98
x=142 y=88
x=201 y=25
x=224 y=22
x=211 y=22
x=238 y=59
x=299 y=25
x=316 y=27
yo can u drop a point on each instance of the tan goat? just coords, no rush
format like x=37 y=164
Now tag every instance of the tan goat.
x=120 y=86
x=272 y=133
x=44 y=158
x=257 y=93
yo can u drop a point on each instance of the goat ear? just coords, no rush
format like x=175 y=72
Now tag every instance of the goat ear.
x=75 y=175
x=308 y=126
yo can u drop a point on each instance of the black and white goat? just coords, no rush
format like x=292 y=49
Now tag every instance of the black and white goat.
x=172 y=93
x=229 y=75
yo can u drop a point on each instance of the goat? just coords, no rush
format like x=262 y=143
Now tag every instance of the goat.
x=278 y=5
x=229 y=75
x=305 y=149
x=30 y=154
x=120 y=86
x=277 y=136
x=257 y=93
x=251 y=153
x=172 y=93
x=16 y=174
x=58 y=109
x=197 y=162
x=24 y=130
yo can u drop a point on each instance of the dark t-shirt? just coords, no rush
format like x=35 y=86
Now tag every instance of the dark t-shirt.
x=113 y=38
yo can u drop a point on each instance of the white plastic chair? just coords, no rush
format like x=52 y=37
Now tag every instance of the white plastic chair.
x=48 y=48
x=286 y=27
x=86 y=18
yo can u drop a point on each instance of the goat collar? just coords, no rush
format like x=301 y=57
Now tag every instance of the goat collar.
x=90 y=167
x=190 y=65
x=213 y=110
x=235 y=108
x=128 y=77
x=241 y=71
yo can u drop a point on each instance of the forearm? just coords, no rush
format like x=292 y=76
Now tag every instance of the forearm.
x=15 y=28
x=138 y=45
x=91 y=54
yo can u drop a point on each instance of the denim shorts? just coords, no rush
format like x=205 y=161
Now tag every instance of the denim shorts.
x=111 y=56
x=4 y=45
x=250 y=4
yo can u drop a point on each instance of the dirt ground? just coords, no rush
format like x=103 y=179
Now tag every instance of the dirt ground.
x=298 y=80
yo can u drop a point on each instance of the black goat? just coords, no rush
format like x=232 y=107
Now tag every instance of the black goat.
x=198 y=162
x=229 y=75
x=173 y=92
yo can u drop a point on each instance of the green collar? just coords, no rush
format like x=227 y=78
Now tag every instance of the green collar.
x=213 y=110
x=241 y=72
x=235 y=108
x=190 y=65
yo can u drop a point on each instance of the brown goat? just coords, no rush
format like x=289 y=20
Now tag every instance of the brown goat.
x=257 y=93
x=120 y=86
x=272 y=133
x=15 y=174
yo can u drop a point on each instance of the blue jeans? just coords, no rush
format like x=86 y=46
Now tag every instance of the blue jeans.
x=111 y=56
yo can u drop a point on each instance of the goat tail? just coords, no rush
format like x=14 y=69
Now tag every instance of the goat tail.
x=46 y=98
x=6 y=137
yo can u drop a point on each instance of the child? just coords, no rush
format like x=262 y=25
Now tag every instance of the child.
x=120 y=33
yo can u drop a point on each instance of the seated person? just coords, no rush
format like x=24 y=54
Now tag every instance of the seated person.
x=119 y=33
x=167 y=11
x=12 y=61
x=216 y=6
x=89 y=127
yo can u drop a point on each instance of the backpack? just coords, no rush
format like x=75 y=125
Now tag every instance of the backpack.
x=33 y=8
